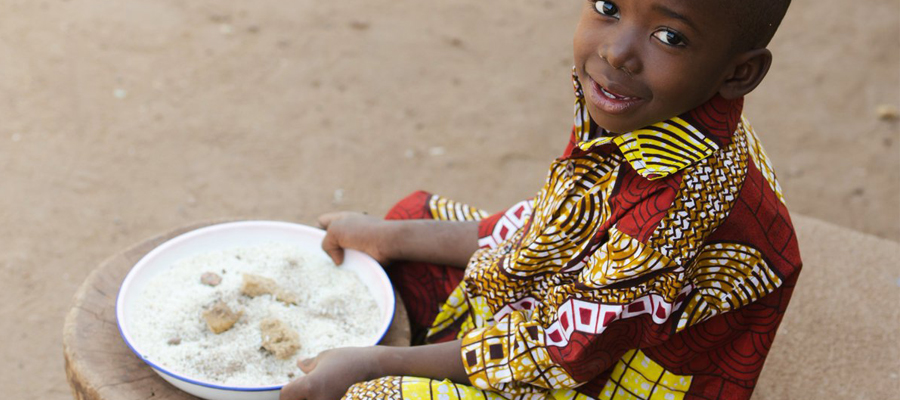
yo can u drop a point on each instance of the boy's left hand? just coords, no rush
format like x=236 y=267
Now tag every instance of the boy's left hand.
x=331 y=373
x=356 y=231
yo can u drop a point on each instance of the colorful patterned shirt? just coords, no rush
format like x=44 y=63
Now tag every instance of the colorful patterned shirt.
x=653 y=264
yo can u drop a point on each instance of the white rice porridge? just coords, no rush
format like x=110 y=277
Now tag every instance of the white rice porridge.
x=334 y=309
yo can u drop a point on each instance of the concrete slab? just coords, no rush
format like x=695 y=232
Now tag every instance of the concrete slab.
x=840 y=338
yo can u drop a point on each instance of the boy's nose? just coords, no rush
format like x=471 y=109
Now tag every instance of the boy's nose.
x=621 y=52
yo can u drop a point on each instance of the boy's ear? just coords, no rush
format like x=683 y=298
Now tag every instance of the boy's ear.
x=749 y=70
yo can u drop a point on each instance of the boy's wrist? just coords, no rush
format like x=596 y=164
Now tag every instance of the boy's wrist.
x=384 y=362
x=436 y=361
x=433 y=241
x=387 y=238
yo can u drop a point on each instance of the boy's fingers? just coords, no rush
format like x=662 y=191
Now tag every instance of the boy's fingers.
x=337 y=255
x=333 y=249
x=295 y=390
x=326 y=219
x=307 y=365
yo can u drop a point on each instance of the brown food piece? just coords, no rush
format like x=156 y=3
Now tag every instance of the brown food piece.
x=278 y=338
x=286 y=297
x=255 y=285
x=175 y=341
x=220 y=318
x=210 y=279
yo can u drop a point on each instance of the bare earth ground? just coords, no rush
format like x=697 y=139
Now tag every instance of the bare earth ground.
x=123 y=119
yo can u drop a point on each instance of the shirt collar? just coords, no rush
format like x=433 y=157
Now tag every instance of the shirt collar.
x=666 y=147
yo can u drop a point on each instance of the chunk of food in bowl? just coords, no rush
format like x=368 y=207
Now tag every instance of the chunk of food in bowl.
x=278 y=338
x=210 y=279
x=255 y=285
x=220 y=318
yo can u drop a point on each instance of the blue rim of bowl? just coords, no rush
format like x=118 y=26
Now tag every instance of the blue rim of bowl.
x=212 y=385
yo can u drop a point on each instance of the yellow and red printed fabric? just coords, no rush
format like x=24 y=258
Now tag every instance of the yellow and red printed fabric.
x=655 y=264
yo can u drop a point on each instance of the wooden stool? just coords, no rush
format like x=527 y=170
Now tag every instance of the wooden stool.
x=99 y=366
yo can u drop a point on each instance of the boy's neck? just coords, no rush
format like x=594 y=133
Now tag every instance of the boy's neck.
x=707 y=115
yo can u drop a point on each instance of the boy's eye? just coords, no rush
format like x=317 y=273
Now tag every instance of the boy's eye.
x=668 y=37
x=607 y=8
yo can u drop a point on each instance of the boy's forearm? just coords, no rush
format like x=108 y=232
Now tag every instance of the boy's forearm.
x=434 y=361
x=439 y=242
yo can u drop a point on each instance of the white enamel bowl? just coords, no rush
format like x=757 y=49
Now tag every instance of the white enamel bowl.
x=226 y=236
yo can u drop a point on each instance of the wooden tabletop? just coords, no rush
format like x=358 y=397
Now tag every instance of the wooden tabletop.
x=99 y=366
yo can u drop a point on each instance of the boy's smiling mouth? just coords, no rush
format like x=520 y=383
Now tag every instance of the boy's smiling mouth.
x=612 y=98
x=615 y=96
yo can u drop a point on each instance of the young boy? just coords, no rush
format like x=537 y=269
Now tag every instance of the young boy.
x=656 y=262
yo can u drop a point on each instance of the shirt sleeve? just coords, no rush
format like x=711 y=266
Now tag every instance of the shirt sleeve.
x=621 y=299
x=501 y=226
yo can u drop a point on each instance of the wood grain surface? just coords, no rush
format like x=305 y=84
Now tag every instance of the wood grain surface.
x=100 y=366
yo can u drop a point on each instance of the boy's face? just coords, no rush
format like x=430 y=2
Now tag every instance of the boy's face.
x=644 y=61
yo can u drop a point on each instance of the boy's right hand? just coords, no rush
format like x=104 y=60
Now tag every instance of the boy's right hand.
x=353 y=230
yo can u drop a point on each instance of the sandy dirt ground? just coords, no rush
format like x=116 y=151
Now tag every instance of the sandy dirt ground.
x=120 y=120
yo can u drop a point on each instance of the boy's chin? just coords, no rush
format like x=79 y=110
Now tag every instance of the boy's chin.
x=616 y=127
x=618 y=124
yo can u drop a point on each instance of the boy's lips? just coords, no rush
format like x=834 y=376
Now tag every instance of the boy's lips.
x=613 y=99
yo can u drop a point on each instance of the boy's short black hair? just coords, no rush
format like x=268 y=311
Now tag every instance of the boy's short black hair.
x=757 y=21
